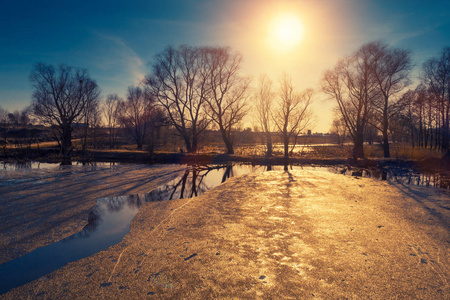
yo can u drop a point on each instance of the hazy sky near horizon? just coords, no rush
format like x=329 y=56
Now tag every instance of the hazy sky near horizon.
x=117 y=40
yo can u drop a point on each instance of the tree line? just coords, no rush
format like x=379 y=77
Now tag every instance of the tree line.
x=370 y=90
x=425 y=117
x=15 y=118
x=192 y=89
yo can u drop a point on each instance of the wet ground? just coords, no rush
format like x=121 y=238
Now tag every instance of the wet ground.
x=307 y=234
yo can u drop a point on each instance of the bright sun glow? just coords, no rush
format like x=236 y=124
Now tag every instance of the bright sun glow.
x=287 y=31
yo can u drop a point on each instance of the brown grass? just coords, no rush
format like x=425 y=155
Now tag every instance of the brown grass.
x=402 y=151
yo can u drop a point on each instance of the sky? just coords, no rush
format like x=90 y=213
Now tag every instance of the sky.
x=117 y=40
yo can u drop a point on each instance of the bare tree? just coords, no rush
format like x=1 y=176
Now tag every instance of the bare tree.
x=14 y=117
x=408 y=115
x=157 y=119
x=436 y=75
x=3 y=115
x=423 y=107
x=110 y=110
x=136 y=112
x=60 y=96
x=264 y=105
x=227 y=92
x=352 y=86
x=391 y=68
x=178 y=83
x=25 y=114
x=338 y=128
x=292 y=114
x=89 y=123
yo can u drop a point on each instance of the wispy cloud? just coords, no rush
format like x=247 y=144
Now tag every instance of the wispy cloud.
x=122 y=59
x=402 y=36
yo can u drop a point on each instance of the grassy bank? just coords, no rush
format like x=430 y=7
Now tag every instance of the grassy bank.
x=402 y=156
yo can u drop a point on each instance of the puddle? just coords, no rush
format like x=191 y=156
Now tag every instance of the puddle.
x=109 y=222
x=400 y=175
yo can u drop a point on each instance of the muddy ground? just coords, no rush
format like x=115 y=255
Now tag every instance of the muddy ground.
x=303 y=234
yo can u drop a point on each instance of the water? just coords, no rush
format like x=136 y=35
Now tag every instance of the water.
x=35 y=165
x=401 y=176
x=260 y=150
x=109 y=222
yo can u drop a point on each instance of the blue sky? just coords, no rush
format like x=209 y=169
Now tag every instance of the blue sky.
x=116 y=40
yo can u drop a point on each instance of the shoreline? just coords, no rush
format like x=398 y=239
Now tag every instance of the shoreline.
x=48 y=155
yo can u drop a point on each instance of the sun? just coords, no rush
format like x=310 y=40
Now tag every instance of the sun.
x=286 y=31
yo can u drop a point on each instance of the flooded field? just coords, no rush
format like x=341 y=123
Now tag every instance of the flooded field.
x=108 y=221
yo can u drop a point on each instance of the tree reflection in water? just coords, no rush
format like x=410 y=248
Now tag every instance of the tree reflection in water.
x=194 y=182
x=109 y=222
x=404 y=176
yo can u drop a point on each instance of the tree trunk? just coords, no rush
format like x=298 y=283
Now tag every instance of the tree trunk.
x=358 y=148
x=286 y=144
x=446 y=130
x=84 y=138
x=445 y=137
x=229 y=146
x=269 y=144
x=387 y=153
x=140 y=142
x=66 y=144
x=151 y=142
x=194 y=139
x=194 y=145
x=227 y=140
x=111 y=138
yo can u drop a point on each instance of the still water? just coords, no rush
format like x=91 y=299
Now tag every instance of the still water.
x=404 y=176
x=35 y=165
